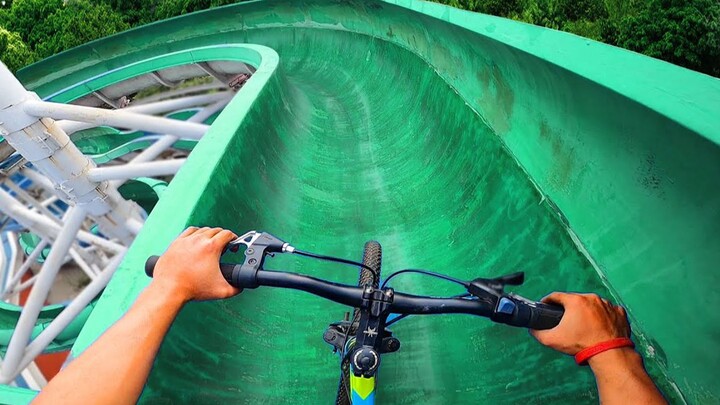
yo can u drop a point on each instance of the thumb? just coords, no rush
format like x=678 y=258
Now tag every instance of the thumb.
x=557 y=298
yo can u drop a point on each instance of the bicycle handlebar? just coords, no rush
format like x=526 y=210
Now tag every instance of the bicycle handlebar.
x=508 y=309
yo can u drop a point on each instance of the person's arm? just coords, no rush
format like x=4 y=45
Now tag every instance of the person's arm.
x=620 y=374
x=114 y=369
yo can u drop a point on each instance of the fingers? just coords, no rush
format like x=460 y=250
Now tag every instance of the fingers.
x=203 y=231
x=210 y=233
x=218 y=237
x=558 y=298
x=224 y=237
x=189 y=231
x=233 y=291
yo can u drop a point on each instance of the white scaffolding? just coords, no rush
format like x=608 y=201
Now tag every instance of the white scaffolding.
x=98 y=224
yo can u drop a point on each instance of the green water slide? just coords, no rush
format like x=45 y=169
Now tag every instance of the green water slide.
x=464 y=143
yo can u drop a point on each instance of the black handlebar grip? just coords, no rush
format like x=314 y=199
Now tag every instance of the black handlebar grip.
x=150 y=265
x=545 y=316
x=225 y=269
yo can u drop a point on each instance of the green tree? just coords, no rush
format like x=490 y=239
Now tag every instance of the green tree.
x=134 y=12
x=26 y=16
x=172 y=8
x=686 y=33
x=502 y=8
x=580 y=10
x=619 y=9
x=13 y=51
x=76 y=23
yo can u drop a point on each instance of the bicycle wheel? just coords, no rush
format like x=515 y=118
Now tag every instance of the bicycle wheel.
x=372 y=257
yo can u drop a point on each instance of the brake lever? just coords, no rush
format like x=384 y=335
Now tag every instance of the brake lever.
x=251 y=237
x=494 y=287
x=259 y=245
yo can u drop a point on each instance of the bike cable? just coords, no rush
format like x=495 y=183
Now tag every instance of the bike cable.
x=427 y=273
x=403 y=316
x=337 y=260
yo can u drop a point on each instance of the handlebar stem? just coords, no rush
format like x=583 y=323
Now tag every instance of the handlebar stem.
x=365 y=358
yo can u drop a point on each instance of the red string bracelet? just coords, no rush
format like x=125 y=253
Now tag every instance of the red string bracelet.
x=582 y=356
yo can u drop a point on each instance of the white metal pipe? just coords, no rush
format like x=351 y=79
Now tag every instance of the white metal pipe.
x=180 y=103
x=68 y=314
x=13 y=94
x=35 y=222
x=45 y=227
x=53 y=154
x=36 y=300
x=158 y=107
x=32 y=201
x=9 y=261
x=82 y=264
x=115 y=118
x=132 y=170
x=134 y=225
x=26 y=265
x=39 y=180
x=179 y=92
x=24 y=285
x=49 y=201
x=34 y=377
x=167 y=141
x=156 y=149
x=5 y=267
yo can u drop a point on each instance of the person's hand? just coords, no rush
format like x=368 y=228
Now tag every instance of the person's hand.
x=190 y=266
x=588 y=320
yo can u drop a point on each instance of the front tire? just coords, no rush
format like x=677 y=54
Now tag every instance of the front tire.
x=372 y=257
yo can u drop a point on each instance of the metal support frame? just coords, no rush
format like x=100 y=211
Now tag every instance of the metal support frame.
x=60 y=171
x=117 y=103
x=37 y=297
x=181 y=92
x=116 y=118
x=11 y=289
x=156 y=75
x=67 y=315
x=47 y=228
x=158 y=107
x=132 y=170
x=205 y=66
x=167 y=141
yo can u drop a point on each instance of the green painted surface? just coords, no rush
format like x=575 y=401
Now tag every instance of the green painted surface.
x=145 y=191
x=16 y=396
x=466 y=144
x=30 y=241
x=9 y=315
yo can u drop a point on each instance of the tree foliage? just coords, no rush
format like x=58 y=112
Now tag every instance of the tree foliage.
x=171 y=8
x=13 y=51
x=134 y=12
x=76 y=23
x=27 y=16
x=684 y=32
